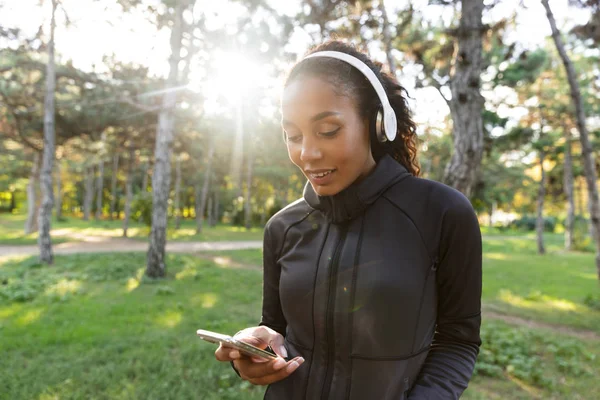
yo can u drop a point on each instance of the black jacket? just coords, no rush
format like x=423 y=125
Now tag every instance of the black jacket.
x=377 y=287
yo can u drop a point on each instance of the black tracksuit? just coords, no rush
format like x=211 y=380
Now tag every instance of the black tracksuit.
x=378 y=287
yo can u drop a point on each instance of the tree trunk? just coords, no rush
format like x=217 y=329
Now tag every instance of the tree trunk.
x=128 y=191
x=466 y=105
x=387 y=39
x=216 y=205
x=540 y=206
x=45 y=213
x=238 y=150
x=59 y=196
x=100 y=189
x=586 y=148
x=568 y=184
x=248 y=197
x=32 y=187
x=89 y=192
x=113 y=186
x=178 y=192
x=581 y=211
x=205 y=186
x=145 y=177
x=209 y=207
x=13 y=202
x=492 y=212
x=161 y=178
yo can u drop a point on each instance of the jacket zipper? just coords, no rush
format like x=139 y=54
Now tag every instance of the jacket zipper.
x=333 y=267
x=432 y=269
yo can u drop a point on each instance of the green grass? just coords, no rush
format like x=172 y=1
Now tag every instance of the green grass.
x=549 y=288
x=73 y=228
x=92 y=327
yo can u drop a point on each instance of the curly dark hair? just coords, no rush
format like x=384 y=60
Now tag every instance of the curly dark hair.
x=351 y=82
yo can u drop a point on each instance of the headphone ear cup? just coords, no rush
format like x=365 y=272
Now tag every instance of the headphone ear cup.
x=379 y=126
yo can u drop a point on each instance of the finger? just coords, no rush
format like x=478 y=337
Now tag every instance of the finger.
x=223 y=354
x=277 y=345
x=254 y=341
x=279 y=375
x=251 y=370
x=260 y=359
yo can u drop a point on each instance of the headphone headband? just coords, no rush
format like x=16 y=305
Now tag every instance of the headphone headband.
x=389 y=116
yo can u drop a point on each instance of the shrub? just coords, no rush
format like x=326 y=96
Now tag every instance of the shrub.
x=528 y=223
x=141 y=208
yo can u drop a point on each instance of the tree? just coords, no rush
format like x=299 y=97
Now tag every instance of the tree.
x=128 y=189
x=466 y=105
x=161 y=179
x=586 y=148
x=45 y=213
x=202 y=196
x=113 y=186
x=32 y=187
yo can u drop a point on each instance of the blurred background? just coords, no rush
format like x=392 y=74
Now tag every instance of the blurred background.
x=141 y=155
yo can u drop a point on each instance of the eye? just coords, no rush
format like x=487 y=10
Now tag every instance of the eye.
x=293 y=138
x=330 y=133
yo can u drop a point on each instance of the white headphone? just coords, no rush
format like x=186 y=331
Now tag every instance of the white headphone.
x=386 y=122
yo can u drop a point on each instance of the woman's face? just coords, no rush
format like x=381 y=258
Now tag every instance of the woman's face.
x=326 y=136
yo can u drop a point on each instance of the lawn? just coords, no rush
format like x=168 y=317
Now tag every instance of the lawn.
x=92 y=327
x=75 y=229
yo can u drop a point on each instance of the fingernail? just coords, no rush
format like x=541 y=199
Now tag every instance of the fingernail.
x=234 y=354
x=283 y=351
x=293 y=365
x=280 y=363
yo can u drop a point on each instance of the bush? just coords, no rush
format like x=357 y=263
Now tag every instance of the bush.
x=528 y=223
x=141 y=208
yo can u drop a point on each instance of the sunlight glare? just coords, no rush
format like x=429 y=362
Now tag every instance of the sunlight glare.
x=235 y=76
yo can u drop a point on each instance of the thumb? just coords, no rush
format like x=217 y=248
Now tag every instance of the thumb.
x=276 y=344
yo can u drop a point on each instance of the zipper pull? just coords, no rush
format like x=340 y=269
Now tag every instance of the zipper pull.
x=434 y=265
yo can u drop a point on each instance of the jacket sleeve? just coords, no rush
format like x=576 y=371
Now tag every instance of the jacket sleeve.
x=449 y=365
x=272 y=315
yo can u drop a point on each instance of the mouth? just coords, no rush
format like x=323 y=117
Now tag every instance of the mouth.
x=320 y=175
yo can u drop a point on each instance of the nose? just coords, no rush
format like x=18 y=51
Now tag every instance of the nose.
x=310 y=150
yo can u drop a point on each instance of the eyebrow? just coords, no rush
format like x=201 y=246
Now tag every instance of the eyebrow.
x=314 y=118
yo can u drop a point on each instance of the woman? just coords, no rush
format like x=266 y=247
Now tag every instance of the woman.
x=372 y=280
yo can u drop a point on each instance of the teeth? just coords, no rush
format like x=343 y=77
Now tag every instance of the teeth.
x=322 y=174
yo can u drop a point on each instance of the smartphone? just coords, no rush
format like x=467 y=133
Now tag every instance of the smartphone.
x=229 y=341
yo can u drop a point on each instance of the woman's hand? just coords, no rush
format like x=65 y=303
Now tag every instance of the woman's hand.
x=255 y=370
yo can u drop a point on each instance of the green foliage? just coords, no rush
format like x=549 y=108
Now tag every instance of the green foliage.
x=164 y=291
x=525 y=354
x=525 y=68
x=592 y=301
x=581 y=239
x=528 y=223
x=141 y=208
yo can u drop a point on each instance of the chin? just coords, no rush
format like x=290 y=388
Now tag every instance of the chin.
x=328 y=190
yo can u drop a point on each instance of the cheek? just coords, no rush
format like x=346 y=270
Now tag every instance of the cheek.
x=294 y=154
x=354 y=146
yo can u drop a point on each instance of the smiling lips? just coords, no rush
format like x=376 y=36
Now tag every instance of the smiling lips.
x=319 y=174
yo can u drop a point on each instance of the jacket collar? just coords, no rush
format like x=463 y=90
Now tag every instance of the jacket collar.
x=351 y=202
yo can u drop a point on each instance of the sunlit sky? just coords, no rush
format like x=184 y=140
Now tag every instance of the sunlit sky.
x=99 y=28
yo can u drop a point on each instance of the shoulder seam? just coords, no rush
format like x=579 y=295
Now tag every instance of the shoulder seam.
x=431 y=252
x=290 y=227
